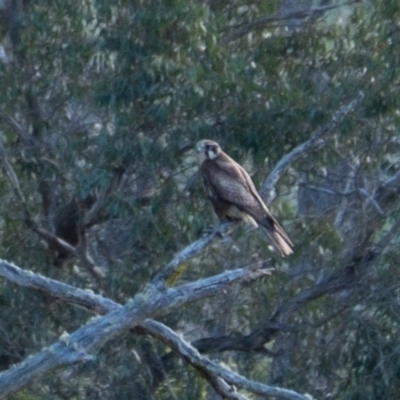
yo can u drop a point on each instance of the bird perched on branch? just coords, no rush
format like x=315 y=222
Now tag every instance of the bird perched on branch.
x=234 y=196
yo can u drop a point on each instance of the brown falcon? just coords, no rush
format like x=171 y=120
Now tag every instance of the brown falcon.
x=234 y=196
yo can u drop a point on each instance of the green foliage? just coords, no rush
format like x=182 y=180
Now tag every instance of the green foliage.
x=111 y=98
x=24 y=395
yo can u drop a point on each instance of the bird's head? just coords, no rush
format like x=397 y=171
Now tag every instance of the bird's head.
x=208 y=149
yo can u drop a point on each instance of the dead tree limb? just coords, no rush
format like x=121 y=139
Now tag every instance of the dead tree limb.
x=315 y=142
x=78 y=346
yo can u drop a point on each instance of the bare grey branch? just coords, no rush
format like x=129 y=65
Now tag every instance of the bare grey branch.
x=209 y=368
x=77 y=347
x=315 y=142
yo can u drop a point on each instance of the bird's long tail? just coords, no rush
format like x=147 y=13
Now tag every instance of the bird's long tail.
x=277 y=236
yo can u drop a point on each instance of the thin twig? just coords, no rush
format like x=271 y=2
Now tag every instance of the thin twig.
x=12 y=177
x=189 y=252
x=237 y=31
x=18 y=129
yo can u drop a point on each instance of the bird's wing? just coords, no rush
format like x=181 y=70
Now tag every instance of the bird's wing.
x=245 y=194
x=224 y=180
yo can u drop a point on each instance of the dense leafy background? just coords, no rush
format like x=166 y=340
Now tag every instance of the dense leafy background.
x=107 y=99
